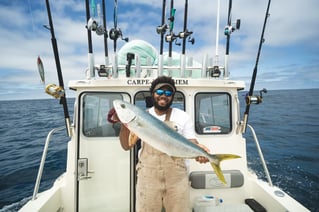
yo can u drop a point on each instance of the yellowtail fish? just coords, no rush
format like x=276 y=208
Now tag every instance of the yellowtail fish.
x=163 y=138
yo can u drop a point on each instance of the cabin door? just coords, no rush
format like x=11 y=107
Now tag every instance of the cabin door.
x=103 y=167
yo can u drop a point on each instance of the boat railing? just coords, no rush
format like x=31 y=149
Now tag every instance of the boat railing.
x=261 y=156
x=44 y=154
x=204 y=70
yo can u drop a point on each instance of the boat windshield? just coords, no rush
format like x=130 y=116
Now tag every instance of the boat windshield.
x=212 y=113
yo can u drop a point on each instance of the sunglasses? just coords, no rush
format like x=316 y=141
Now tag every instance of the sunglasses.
x=160 y=92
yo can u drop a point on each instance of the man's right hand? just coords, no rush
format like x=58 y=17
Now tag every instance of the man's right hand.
x=132 y=139
x=112 y=116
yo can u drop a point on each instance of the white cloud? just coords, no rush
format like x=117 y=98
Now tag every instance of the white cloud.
x=291 y=44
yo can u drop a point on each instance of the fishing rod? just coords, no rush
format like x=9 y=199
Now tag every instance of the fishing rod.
x=228 y=30
x=106 y=51
x=184 y=35
x=59 y=91
x=250 y=99
x=91 y=26
x=162 y=30
x=171 y=36
x=103 y=70
x=116 y=33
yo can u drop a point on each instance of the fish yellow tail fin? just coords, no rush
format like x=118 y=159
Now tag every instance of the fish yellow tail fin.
x=219 y=172
x=216 y=167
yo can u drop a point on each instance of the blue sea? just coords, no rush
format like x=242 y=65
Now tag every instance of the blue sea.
x=286 y=123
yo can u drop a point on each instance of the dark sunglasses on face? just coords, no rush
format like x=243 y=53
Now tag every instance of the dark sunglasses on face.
x=160 y=92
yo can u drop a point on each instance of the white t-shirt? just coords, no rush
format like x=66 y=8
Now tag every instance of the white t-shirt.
x=181 y=120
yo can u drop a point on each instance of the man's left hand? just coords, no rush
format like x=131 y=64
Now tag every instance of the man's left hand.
x=202 y=159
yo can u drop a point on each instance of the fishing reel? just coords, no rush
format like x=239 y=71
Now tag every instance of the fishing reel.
x=161 y=29
x=255 y=99
x=94 y=26
x=117 y=33
x=229 y=29
x=55 y=91
x=171 y=38
x=186 y=34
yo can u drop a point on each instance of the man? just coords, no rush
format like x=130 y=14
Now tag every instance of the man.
x=162 y=181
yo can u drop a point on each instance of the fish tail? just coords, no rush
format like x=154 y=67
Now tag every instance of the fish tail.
x=216 y=167
x=218 y=172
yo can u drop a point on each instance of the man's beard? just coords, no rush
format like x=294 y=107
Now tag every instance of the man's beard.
x=162 y=108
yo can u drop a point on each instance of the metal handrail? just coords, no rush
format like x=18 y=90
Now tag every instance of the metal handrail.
x=261 y=156
x=44 y=154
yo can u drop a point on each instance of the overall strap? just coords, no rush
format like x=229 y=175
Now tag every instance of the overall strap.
x=168 y=114
x=167 y=118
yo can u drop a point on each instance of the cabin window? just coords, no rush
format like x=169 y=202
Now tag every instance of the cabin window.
x=95 y=109
x=212 y=113
x=143 y=99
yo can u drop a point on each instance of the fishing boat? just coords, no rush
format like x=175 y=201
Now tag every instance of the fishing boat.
x=101 y=176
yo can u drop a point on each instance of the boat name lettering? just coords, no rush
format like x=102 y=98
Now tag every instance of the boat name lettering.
x=139 y=82
x=148 y=82
x=181 y=82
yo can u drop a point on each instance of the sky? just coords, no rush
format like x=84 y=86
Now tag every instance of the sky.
x=288 y=60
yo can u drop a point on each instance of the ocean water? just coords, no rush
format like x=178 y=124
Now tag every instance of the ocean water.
x=286 y=124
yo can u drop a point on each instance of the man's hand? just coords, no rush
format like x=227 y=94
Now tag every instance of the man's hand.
x=112 y=116
x=201 y=159
x=132 y=139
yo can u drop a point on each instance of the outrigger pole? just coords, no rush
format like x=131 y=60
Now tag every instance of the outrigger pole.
x=250 y=98
x=59 y=72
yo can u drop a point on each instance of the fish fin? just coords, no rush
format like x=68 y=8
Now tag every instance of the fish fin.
x=219 y=172
x=216 y=167
x=222 y=157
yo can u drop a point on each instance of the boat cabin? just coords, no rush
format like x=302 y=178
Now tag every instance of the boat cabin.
x=106 y=173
